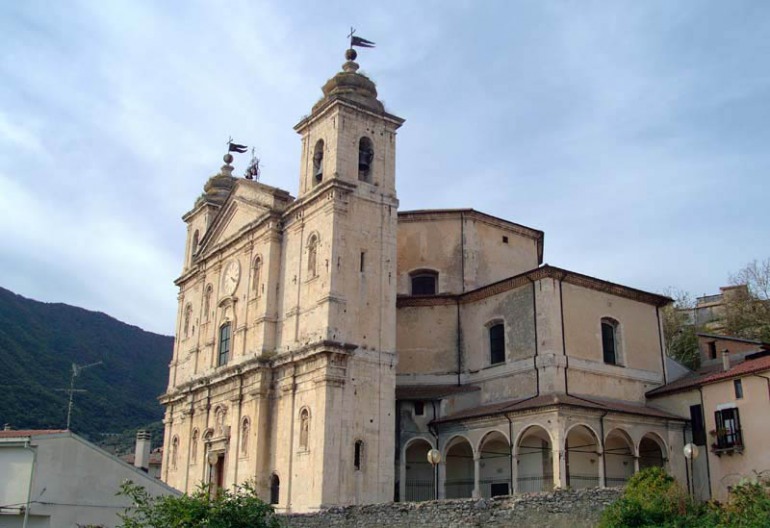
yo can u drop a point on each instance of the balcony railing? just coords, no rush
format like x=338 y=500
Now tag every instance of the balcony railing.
x=577 y=481
x=615 y=482
x=495 y=487
x=728 y=441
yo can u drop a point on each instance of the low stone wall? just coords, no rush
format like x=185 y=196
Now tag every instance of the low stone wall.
x=559 y=509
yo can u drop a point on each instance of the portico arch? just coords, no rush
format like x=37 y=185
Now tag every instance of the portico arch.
x=494 y=465
x=652 y=451
x=619 y=458
x=582 y=456
x=459 y=468
x=534 y=456
x=419 y=473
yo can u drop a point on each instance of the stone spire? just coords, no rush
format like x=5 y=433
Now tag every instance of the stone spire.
x=218 y=187
x=352 y=86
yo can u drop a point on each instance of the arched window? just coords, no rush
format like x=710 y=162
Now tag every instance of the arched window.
x=611 y=341
x=174 y=452
x=497 y=343
x=224 y=344
x=424 y=282
x=312 y=255
x=194 y=446
x=187 y=319
x=207 y=300
x=245 y=430
x=275 y=489
x=358 y=454
x=304 y=428
x=318 y=162
x=365 y=158
x=256 y=272
x=194 y=245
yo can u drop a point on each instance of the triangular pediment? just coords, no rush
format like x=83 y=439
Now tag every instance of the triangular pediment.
x=248 y=204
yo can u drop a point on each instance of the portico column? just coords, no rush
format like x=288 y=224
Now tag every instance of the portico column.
x=559 y=469
x=402 y=477
x=602 y=478
x=636 y=464
x=442 y=480
x=514 y=471
x=476 y=475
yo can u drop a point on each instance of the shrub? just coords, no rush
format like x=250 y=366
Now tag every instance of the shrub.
x=239 y=509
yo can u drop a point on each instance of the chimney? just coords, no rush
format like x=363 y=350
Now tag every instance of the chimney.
x=725 y=360
x=142 y=455
x=7 y=427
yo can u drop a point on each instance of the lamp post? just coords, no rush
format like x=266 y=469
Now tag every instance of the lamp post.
x=691 y=452
x=434 y=457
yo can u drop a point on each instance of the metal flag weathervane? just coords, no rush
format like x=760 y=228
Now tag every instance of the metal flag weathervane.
x=235 y=147
x=359 y=41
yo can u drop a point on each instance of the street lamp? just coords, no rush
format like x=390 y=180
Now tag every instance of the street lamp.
x=434 y=457
x=691 y=452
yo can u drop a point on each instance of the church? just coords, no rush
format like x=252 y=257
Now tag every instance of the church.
x=328 y=344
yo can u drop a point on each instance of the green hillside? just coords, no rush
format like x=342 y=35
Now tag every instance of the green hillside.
x=38 y=344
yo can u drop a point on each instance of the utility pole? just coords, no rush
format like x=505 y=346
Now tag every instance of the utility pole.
x=76 y=369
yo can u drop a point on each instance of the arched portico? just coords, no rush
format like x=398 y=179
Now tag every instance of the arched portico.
x=418 y=477
x=619 y=458
x=494 y=466
x=459 y=481
x=652 y=451
x=534 y=457
x=583 y=458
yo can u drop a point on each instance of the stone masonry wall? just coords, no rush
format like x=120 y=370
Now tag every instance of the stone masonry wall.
x=560 y=509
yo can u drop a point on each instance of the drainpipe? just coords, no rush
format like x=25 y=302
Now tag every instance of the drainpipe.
x=510 y=447
x=534 y=308
x=434 y=431
x=29 y=447
x=708 y=462
x=660 y=341
x=690 y=489
x=459 y=344
x=563 y=337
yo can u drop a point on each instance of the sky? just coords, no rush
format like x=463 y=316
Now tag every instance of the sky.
x=635 y=134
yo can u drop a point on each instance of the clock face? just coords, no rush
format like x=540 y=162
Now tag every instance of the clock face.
x=230 y=277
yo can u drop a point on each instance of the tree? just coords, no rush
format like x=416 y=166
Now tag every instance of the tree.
x=747 y=310
x=239 y=509
x=680 y=334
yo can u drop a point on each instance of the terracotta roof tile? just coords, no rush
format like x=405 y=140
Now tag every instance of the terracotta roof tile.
x=704 y=377
x=21 y=433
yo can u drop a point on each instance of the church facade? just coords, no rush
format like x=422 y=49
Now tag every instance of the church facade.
x=326 y=343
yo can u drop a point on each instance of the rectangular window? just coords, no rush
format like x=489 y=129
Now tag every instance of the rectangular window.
x=738 y=385
x=728 y=429
x=419 y=408
x=497 y=344
x=712 y=350
x=224 y=345
x=357 y=453
x=698 y=427
x=363 y=258
x=505 y=240
x=608 y=343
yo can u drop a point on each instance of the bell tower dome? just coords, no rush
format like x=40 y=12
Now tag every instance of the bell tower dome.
x=348 y=135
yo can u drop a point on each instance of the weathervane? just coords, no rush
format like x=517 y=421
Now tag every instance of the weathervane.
x=361 y=42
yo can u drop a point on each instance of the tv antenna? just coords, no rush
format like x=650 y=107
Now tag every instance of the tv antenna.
x=76 y=369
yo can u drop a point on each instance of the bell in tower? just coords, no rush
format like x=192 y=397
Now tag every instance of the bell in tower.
x=365 y=157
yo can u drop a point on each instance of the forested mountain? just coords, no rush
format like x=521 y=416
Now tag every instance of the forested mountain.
x=39 y=342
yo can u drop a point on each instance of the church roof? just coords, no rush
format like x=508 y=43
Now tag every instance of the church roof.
x=558 y=400
x=545 y=271
x=24 y=433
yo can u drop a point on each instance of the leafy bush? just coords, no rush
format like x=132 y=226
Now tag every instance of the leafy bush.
x=239 y=509
x=654 y=499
